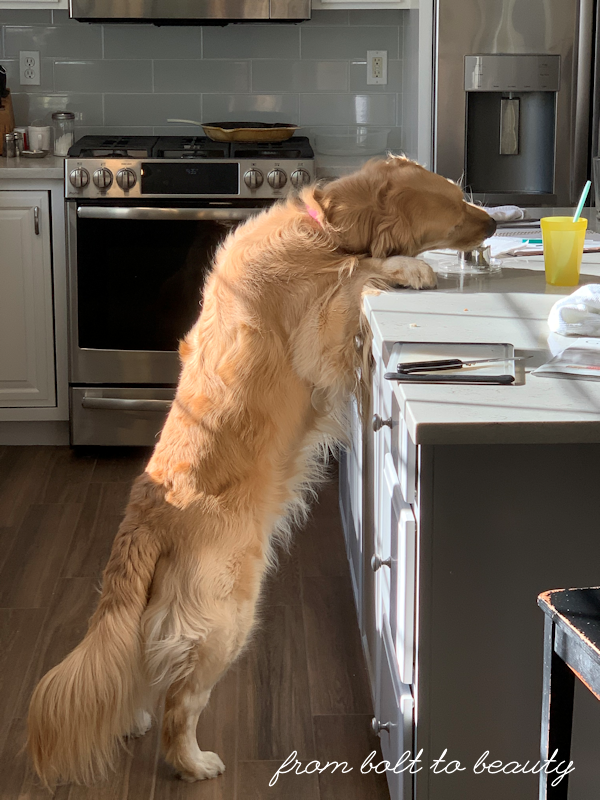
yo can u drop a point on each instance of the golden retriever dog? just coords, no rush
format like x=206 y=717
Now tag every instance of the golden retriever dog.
x=267 y=371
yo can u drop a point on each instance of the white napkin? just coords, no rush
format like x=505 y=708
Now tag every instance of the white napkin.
x=506 y=213
x=578 y=314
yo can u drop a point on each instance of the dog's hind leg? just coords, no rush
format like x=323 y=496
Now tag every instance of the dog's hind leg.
x=185 y=700
x=184 y=703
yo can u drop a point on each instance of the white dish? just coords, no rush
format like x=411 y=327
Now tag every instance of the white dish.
x=34 y=153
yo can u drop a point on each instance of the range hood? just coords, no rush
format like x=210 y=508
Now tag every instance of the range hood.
x=189 y=12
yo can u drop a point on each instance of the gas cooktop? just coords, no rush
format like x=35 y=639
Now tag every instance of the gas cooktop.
x=137 y=167
x=298 y=147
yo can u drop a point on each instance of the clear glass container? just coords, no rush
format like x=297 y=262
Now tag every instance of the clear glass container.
x=64 y=132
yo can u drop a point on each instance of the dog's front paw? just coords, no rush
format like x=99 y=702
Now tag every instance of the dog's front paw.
x=411 y=272
x=206 y=765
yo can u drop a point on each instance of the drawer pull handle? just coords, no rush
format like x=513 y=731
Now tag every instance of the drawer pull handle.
x=377 y=562
x=377 y=726
x=379 y=422
x=125 y=404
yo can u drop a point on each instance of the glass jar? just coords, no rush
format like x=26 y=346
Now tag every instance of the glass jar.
x=64 y=132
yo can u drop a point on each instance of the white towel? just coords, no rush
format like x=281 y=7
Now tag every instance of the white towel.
x=578 y=314
x=506 y=213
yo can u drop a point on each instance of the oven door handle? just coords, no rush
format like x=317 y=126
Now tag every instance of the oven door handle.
x=124 y=404
x=140 y=212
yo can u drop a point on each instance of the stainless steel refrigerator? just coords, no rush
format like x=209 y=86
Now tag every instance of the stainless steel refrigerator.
x=515 y=115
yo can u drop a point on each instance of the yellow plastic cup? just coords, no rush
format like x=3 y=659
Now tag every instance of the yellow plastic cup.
x=563 y=248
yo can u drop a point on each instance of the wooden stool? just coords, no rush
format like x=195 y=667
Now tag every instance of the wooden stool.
x=571 y=648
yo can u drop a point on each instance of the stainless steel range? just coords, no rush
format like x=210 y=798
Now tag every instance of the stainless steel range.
x=145 y=216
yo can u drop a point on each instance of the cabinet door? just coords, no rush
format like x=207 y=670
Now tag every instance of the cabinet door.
x=27 y=370
x=351 y=470
x=403 y=586
x=394 y=723
x=35 y=4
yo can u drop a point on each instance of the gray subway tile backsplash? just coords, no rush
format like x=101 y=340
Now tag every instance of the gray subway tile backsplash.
x=256 y=41
x=364 y=17
x=149 y=109
x=59 y=41
x=348 y=109
x=103 y=76
x=185 y=75
x=299 y=76
x=150 y=41
x=250 y=107
x=88 y=108
x=348 y=42
x=327 y=18
x=120 y=78
x=18 y=16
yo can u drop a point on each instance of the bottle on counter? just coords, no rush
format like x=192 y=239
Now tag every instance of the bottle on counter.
x=64 y=132
x=20 y=140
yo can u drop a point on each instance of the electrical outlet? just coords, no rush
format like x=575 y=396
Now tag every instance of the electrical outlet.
x=377 y=67
x=29 y=68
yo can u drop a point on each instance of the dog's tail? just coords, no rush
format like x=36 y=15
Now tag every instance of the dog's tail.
x=81 y=709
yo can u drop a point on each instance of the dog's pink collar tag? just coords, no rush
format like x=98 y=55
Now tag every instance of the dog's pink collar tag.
x=312 y=213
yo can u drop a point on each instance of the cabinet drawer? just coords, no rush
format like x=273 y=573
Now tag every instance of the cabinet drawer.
x=382 y=561
x=394 y=721
x=404 y=451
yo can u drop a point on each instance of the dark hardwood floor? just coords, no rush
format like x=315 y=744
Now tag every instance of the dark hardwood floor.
x=301 y=685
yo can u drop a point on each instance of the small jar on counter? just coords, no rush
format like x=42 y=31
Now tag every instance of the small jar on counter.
x=8 y=150
x=64 y=132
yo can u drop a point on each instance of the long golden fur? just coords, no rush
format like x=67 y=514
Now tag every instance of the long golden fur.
x=266 y=373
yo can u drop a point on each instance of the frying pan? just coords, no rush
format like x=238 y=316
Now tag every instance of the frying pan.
x=244 y=131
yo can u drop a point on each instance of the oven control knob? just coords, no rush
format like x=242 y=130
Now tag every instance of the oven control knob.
x=253 y=179
x=300 y=177
x=277 y=179
x=126 y=178
x=79 y=178
x=103 y=178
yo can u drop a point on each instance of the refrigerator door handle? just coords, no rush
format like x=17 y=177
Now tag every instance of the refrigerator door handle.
x=582 y=73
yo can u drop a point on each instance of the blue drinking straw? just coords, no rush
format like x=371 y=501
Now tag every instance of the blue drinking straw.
x=582 y=199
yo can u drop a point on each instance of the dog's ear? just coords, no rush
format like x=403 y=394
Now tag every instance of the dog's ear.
x=348 y=208
x=393 y=234
x=365 y=211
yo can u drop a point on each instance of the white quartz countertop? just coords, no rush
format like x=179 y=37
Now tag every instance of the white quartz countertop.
x=510 y=307
x=47 y=168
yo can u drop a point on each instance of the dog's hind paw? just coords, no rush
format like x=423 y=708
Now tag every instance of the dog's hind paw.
x=143 y=723
x=206 y=765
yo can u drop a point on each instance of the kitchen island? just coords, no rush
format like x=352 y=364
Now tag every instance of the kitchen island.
x=461 y=506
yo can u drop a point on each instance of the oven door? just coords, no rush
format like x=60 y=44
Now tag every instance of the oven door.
x=136 y=274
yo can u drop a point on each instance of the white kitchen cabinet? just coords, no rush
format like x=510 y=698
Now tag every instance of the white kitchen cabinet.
x=393 y=721
x=27 y=358
x=481 y=499
x=351 y=482
x=53 y=5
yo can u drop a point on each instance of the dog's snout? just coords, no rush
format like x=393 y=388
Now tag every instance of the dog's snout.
x=491 y=228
